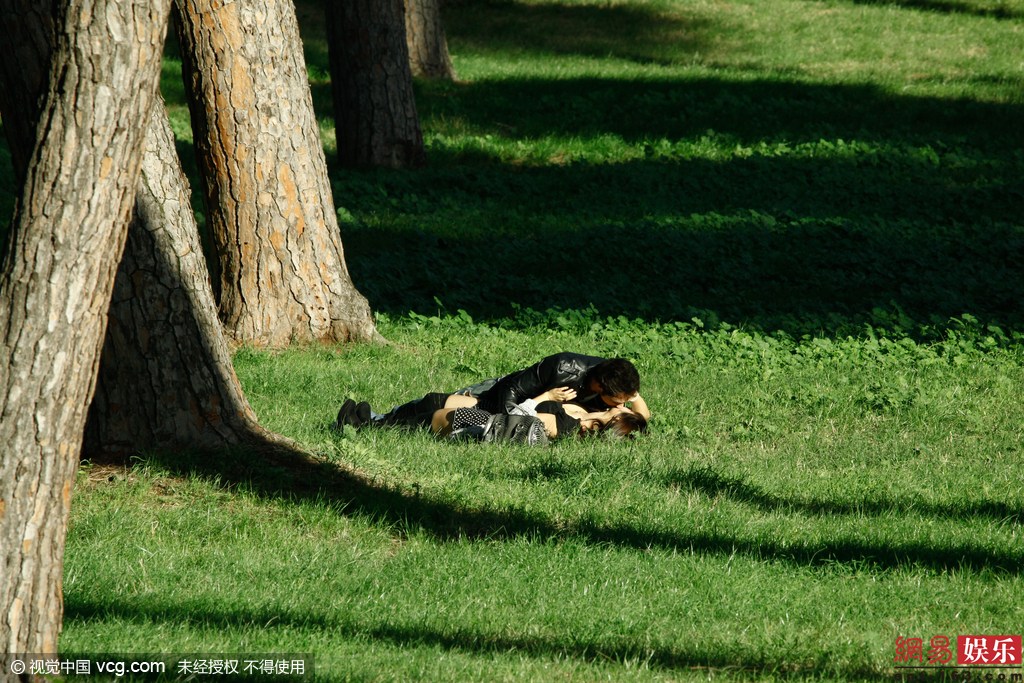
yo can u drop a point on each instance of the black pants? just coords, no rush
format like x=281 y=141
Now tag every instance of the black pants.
x=416 y=413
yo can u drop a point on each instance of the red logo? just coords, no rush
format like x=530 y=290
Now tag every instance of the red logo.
x=991 y=650
x=909 y=649
x=912 y=649
x=938 y=650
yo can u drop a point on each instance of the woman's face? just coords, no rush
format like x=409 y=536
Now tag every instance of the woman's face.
x=601 y=421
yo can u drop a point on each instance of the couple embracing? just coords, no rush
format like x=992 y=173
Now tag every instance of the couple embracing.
x=563 y=395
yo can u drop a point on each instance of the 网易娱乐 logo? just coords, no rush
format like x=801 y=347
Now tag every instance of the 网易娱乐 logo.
x=960 y=654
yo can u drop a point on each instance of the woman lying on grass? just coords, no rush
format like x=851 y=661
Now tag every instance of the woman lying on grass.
x=559 y=420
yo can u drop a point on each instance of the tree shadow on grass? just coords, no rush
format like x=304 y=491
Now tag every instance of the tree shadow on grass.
x=713 y=484
x=907 y=204
x=995 y=9
x=611 y=649
x=845 y=206
x=800 y=245
x=277 y=473
x=605 y=31
x=749 y=111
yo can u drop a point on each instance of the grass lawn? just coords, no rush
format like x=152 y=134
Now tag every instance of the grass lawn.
x=800 y=218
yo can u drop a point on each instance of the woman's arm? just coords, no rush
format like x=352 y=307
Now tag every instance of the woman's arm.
x=559 y=395
x=639 y=406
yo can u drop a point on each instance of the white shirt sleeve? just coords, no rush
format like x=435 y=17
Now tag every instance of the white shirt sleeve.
x=529 y=407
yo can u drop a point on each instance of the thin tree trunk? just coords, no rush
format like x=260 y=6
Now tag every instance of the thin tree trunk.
x=428 y=46
x=69 y=229
x=374 y=104
x=268 y=197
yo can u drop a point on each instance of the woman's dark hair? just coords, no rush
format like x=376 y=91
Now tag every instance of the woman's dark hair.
x=625 y=426
x=617 y=376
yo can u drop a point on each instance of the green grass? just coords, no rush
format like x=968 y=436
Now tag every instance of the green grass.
x=797 y=507
x=799 y=167
x=800 y=218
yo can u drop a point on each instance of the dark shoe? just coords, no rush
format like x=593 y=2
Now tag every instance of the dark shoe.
x=346 y=415
x=362 y=414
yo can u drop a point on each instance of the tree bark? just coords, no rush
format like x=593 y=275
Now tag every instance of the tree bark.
x=68 y=232
x=166 y=379
x=374 y=104
x=269 y=207
x=428 y=46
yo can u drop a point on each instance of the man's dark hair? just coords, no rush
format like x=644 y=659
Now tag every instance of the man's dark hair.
x=616 y=376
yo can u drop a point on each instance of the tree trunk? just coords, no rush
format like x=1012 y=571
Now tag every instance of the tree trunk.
x=166 y=378
x=374 y=105
x=268 y=198
x=428 y=46
x=69 y=229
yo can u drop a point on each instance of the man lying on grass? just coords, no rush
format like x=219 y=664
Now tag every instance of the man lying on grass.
x=593 y=386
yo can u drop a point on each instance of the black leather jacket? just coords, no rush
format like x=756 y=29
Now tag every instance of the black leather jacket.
x=560 y=370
